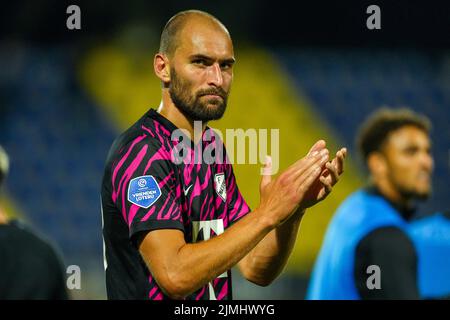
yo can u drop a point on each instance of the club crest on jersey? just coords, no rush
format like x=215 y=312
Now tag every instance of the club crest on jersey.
x=221 y=188
x=143 y=191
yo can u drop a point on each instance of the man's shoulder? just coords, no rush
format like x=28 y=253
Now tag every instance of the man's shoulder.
x=363 y=211
x=356 y=202
x=20 y=234
x=365 y=202
x=141 y=134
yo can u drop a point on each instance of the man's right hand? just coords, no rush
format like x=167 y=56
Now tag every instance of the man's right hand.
x=282 y=196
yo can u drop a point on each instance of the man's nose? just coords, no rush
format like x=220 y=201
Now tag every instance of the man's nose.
x=427 y=161
x=215 y=75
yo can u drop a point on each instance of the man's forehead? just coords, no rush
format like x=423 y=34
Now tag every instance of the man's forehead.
x=407 y=136
x=208 y=40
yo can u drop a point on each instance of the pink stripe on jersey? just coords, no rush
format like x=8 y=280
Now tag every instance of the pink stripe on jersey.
x=187 y=173
x=133 y=210
x=148 y=130
x=159 y=296
x=169 y=212
x=115 y=193
x=198 y=188
x=153 y=291
x=165 y=180
x=159 y=127
x=231 y=186
x=127 y=177
x=219 y=202
x=148 y=214
x=244 y=210
x=238 y=202
x=159 y=155
x=176 y=215
x=223 y=293
x=201 y=293
x=204 y=203
x=160 y=212
x=210 y=211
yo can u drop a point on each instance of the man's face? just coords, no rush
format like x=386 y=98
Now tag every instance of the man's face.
x=409 y=162
x=202 y=71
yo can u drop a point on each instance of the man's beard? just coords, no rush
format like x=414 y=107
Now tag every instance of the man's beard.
x=191 y=106
x=411 y=193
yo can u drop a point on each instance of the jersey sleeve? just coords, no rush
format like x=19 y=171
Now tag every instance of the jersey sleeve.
x=237 y=206
x=146 y=189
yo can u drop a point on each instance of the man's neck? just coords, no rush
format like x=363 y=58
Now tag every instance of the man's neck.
x=393 y=195
x=168 y=110
x=404 y=206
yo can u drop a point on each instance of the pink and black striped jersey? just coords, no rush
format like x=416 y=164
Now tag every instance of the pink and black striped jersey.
x=145 y=188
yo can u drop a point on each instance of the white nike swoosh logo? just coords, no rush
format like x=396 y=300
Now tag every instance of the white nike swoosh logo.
x=187 y=190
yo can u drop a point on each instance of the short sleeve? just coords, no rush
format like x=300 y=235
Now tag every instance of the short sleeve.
x=237 y=207
x=146 y=189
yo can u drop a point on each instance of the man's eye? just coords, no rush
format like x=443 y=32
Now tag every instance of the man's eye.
x=200 y=62
x=225 y=66
x=411 y=151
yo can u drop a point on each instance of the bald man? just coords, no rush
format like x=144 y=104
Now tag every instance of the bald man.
x=174 y=229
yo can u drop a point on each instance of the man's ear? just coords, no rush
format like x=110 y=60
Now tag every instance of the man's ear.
x=377 y=165
x=162 y=67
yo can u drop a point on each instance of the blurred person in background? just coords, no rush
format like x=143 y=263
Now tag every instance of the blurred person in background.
x=175 y=230
x=370 y=228
x=30 y=269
